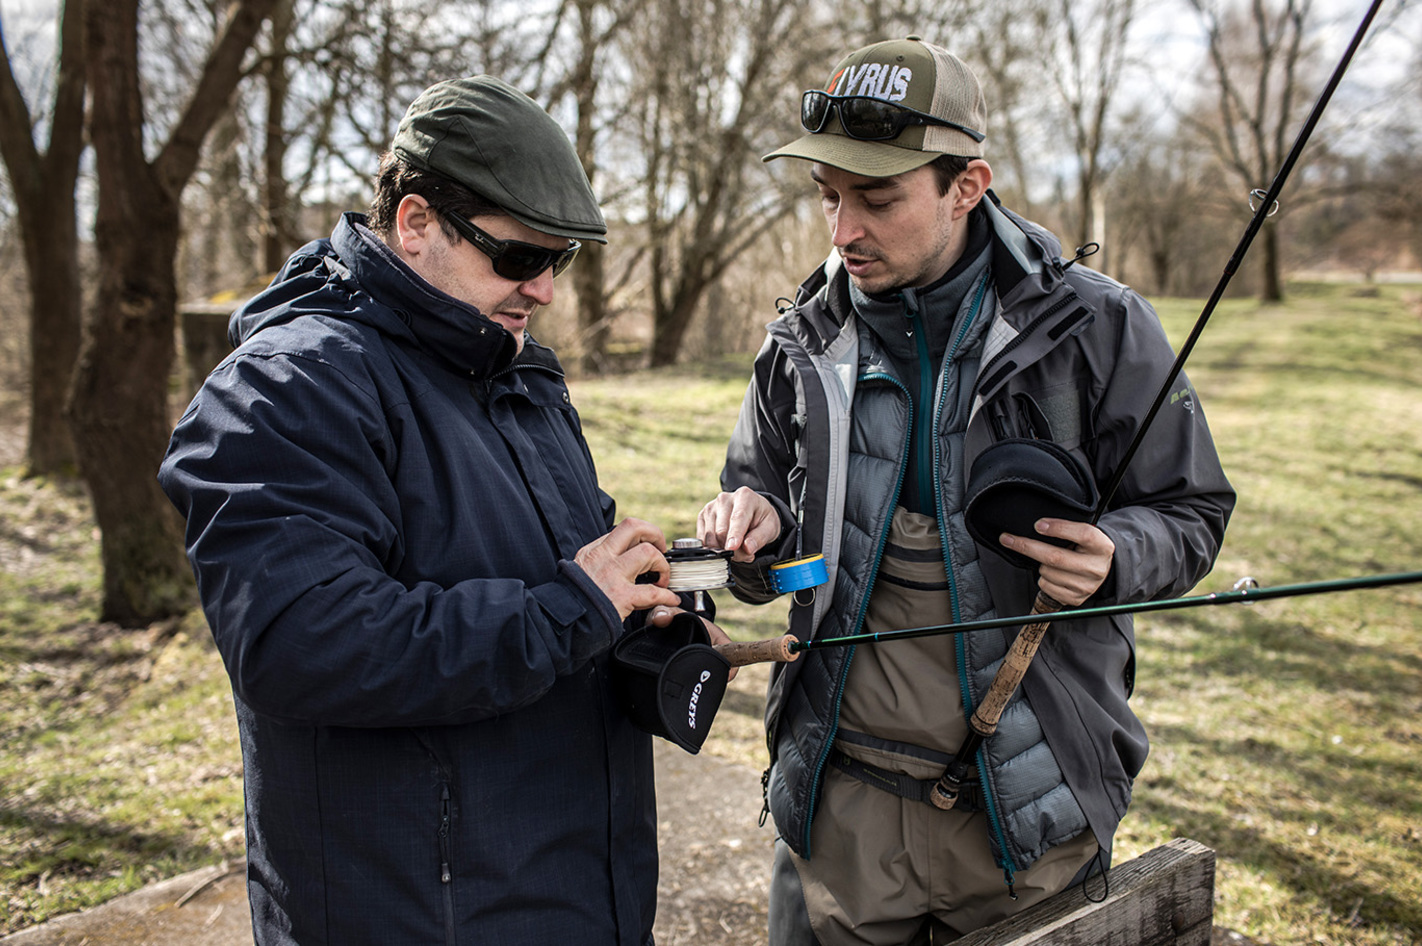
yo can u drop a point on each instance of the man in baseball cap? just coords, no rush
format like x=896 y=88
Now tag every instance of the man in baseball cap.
x=411 y=572
x=941 y=327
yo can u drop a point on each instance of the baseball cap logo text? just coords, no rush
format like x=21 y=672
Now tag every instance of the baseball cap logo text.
x=873 y=79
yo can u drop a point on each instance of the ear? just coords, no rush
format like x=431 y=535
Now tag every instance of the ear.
x=972 y=185
x=416 y=223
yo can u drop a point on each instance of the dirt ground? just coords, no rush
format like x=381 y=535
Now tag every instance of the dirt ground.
x=715 y=866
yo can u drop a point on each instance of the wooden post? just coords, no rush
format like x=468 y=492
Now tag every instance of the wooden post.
x=1165 y=897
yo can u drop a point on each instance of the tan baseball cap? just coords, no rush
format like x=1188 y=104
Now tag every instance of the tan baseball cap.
x=906 y=72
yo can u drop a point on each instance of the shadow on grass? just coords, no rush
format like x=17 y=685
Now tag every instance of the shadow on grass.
x=1344 y=888
x=1257 y=646
x=80 y=846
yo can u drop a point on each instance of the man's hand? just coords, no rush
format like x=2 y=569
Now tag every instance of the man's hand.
x=661 y=617
x=615 y=561
x=1070 y=575
x=743 y=522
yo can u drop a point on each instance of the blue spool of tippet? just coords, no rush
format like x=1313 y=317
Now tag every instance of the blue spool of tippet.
x=799 y=574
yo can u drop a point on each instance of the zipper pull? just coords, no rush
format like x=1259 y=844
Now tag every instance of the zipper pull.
x=444 y=872
x=764 y=796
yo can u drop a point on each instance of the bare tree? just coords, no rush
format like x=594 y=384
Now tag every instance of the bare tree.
x=594 y=25
x=716 y=86
x=1087 y=43
x=118 y=406
x=1163 y=212
x=1258 y=54
x=278 y=220
x=1005 y=59
x=44 y=185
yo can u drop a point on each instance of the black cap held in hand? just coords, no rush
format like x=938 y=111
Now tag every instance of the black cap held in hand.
x=485 y=134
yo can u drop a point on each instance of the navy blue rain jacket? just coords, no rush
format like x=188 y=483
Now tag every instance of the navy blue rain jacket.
x=383 y=507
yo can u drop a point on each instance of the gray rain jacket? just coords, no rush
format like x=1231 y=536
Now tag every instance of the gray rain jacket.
x=1090 y=354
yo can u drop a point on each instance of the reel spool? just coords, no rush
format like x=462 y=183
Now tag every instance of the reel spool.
x=695 y=568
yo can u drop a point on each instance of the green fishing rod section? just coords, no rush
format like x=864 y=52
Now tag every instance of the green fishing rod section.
x=1239 y=596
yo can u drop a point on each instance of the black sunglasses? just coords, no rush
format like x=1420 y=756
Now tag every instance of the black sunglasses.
x=515 y=259
x=867 y=118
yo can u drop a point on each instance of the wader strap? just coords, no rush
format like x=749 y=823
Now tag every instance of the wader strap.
x=905 y=786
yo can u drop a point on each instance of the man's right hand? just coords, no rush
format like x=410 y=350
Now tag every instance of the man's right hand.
x=743 y=522
x=615 y=561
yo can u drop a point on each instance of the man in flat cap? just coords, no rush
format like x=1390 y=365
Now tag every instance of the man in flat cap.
x=410 y=571
x=941 y=330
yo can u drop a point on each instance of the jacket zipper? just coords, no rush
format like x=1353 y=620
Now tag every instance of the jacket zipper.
x=959 y=644
x=816 y=782
x=923 y=406
x=446 y=877
x=1023 y=335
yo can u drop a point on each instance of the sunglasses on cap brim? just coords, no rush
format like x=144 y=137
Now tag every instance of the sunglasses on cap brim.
x=515 y=259
x=866 y=118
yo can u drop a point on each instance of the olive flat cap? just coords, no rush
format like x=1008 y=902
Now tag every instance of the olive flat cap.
x=485 y=134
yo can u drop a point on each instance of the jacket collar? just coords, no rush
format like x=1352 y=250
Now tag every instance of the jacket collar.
x=453 y=331
x=1025 y=260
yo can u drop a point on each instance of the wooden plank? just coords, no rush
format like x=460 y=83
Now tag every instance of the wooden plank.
x=1165 y=897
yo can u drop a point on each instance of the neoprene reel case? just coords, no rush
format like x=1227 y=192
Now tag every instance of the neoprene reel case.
x=1017 y=481
x=671 y=680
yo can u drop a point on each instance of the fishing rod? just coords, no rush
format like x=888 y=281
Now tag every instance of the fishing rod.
x=983 y=724
x=1045 y=609
x=792 y=647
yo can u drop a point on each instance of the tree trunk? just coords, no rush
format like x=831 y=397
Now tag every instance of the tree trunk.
x=276 y=195
x=589 y=275
x=52 y=261
x=119 y=400
x=593 y=327
x=43 y=188
x=1271 y=287
x=119 y=410
x=669 y=325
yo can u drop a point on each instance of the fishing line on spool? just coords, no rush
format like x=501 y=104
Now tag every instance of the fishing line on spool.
x=695 y=568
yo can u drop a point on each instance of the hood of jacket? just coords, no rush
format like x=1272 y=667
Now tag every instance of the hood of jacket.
x=354 y=276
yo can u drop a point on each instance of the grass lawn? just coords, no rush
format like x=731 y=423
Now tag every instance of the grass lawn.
x=1286 y=734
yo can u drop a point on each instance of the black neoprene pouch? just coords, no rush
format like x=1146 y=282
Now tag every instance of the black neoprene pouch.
x=671 y=680
x=1017 y=481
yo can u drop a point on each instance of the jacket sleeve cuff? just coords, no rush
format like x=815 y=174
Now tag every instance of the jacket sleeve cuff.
x=575 y=596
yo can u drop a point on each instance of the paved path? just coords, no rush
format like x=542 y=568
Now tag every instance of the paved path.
x=715 y=864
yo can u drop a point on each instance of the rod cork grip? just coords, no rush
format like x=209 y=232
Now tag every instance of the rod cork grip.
x=944 y=793
x=1013 y=668
x=769 y=650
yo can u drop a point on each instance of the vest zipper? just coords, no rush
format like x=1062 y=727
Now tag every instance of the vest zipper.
x=816 y=782
x=959 y=644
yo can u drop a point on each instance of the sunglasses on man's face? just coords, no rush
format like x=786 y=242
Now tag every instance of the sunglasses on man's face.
x=515 y=259
x=868 y=119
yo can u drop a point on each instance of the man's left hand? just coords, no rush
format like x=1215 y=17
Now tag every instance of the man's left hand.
x=1070 y=575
